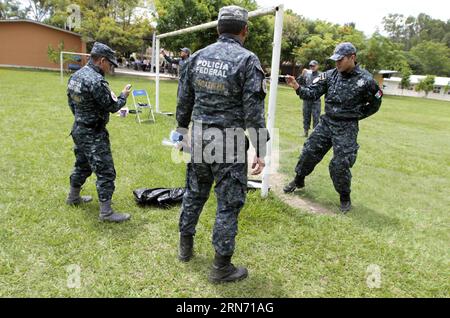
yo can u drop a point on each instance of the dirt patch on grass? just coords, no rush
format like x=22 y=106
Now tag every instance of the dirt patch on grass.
x=278 y=181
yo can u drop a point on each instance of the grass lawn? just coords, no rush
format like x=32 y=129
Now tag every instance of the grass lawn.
x=400 y=221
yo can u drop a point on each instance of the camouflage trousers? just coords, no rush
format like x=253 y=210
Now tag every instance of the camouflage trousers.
x=230 y=189
x=93 y=155
x=342 y=136
x=311 y=109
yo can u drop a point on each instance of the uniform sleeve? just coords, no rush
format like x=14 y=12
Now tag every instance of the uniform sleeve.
x=106 y=99
x=186 y=97
x=254 y=93
x=374 y=98
x=301 y=80
x=315 y=90
x=70 y=100
x=172 y=60
x=71 y=104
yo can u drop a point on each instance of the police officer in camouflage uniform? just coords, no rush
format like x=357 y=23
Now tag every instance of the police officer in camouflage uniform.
x=91 y=100
x=181 y=61
x=184 y=56
x=310 y=107
x=351 y=94
x=223 y=88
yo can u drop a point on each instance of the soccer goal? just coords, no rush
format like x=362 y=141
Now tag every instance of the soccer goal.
x=275 y=69
x=61 y=60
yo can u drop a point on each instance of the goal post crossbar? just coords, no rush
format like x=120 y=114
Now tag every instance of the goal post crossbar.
x=209 y=25
x=275 y=69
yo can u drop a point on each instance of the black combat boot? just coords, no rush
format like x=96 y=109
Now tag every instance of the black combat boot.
x=346 y=203
x=297 y=183
x=74 y=197
x=224 y=272
x=186 y=251
x=108 y=214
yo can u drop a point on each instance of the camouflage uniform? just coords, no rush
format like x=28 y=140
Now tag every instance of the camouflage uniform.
x=349 y=97
x=222 y=86
x=91 y=101
x=310 y=107
x=180 y=62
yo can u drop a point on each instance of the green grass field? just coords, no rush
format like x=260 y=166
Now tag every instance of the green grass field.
x=400 y=221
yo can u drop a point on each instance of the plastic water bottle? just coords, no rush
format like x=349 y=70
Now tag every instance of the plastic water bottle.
x=176 y=136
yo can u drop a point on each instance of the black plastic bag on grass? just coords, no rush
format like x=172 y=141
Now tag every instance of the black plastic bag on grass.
x=159 y=197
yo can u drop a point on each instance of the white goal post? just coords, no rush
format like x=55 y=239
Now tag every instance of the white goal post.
x=61 y=61
x=275 y=70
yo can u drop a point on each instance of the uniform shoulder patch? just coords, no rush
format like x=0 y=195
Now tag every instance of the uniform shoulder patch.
x=379 y=94
x=259 y=68
x=264 y=85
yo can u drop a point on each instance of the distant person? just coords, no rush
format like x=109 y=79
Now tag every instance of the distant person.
x=146 y=65
x=185 y=53
x=311 y=108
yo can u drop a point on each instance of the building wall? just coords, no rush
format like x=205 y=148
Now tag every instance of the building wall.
x=26 y=44
x=392 y=88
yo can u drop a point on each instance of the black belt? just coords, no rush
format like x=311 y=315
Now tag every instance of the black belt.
x=336 y=118
x=96 y=126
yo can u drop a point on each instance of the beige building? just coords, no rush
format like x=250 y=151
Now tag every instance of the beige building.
x=391 y=86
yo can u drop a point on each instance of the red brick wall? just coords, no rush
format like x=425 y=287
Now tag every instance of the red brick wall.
x=26 y=44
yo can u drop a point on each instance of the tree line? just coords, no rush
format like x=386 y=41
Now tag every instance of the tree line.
x=410 y=45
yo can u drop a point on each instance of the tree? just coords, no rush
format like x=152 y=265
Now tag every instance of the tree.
x=433 y=57
x=447 y=88
x=393 y=24
x=426 y=85
x=295 y=33
x=39 y=10
x=405 y=81
x=382 y=53
x=317 y=47
x=410 y=31
x=116 y=23
x=322 y=39
x=54 y=55
x=11 y=9
x=180 y=14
